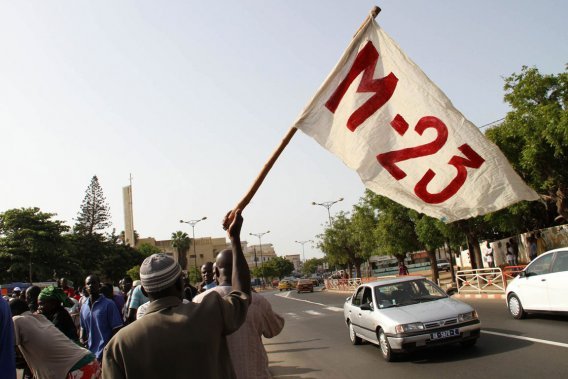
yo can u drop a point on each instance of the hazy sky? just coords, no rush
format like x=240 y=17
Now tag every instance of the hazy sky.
x=192 y=97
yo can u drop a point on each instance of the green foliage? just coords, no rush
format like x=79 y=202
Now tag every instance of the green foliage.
x=134 y=272
x=181 y=242
x=146 y=249
x=534 y=135
x=311 y=265
x=28 y=235
x=94 y=215
x=276 y=267
x=194 y=275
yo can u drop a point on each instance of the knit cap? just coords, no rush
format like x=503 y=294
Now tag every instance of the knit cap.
x=158 y=272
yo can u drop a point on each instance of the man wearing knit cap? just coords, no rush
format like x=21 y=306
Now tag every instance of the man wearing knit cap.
x=174 y=340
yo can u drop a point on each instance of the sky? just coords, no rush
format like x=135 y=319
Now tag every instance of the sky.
x=192 y=97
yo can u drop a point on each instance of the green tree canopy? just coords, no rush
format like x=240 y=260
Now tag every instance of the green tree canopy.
x=534 y=135
x=311 y=265
x=94 y=215
x=181 y=242
x=276 y=267
x=31 y=244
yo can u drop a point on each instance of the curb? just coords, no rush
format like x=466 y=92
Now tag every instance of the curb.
x=497 y=296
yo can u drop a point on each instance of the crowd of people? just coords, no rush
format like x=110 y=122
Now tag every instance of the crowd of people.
x=158 y=326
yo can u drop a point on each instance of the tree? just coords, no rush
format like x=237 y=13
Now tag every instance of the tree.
x=94 y=215
x=430 y=237
x=146 y=249
x=311 y=265
x=31 y=245
x=534 y=135
x=276 y=267
x=181 y=242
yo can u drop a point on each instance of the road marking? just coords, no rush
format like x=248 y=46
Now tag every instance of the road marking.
x=546 y=342
x=293 y=315
x=335 y=309
x=314 y=313
x=305 y=301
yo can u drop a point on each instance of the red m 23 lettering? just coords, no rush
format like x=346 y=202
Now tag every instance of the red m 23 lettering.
x=390 y=159
x=383 y=88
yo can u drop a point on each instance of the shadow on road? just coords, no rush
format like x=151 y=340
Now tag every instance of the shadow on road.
x=297 y=350
x=288 y=342
x=487 y=345
x=290 y=372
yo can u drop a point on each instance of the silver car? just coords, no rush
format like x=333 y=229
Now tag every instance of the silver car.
x=408 y=313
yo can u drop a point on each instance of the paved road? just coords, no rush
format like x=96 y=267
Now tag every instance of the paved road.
x=315 y=344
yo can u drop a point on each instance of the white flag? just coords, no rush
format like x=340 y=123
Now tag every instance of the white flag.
x=388 y=121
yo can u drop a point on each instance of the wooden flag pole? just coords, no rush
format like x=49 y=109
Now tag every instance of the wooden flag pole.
x=268 y=165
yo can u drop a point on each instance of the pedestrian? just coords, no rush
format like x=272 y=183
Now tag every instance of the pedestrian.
x=540 y=244
x=189 y=291
x=16 y=293
x=107 y=290
x=245 y=345
x=126 y=290
x=51 y=303
x=509 y=256
x=515 y=249
x=7 y=352
x=175 y=340
x=137 y=298
x=402 y=269
x=100 y=319
x=208 y=278
x=69 y=291
x=489 y=255
x=32 y=292
x=532 y=246
x=47 y=351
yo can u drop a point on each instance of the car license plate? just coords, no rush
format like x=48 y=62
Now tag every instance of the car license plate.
x=445 y=334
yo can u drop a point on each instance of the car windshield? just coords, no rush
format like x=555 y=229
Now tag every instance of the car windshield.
x=407 y=293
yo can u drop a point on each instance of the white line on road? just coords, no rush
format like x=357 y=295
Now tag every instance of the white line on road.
x=528 y=339
x=335 y=309
x=305 y=301
x=313 y=313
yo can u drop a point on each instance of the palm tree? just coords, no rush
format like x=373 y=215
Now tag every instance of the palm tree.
x=181 y=242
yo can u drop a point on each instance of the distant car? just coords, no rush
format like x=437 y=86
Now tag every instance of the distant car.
x=443 y=265
x=275 y=283
x=408 y=313
x=285 y=285
x=305 y=285
x=541 y=286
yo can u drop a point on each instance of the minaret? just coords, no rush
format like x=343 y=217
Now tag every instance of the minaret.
x=128 y=215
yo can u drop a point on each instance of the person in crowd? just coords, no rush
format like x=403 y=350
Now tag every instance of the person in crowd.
x=532 y=246
x=100 y=318
x=48 y=352
x=489 y=255
x=515 y=248
x=509 y=257
x=7 y=352
x=32 y=292
x=126 y=289
x=16 y=293
x=402 y=269
x=189 y=291
x=245 y=345
x=52 y=301
x=540 y=244
x=69 y=291
x=208 y=278
x=173 y=339
x=107 y=290
x=137 y=298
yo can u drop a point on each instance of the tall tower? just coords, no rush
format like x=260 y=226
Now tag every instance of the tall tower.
x=128 y=215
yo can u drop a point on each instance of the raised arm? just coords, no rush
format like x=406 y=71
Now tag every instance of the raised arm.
x=241 y=274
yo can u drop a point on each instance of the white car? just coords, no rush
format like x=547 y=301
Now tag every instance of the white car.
x=541 y=286
x=408 y=313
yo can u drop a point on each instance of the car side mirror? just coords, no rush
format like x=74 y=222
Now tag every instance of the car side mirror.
x=366 y=307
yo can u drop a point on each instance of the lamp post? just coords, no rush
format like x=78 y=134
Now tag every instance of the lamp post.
x=259 y=235
x=193 y=223
x=303 y=243
x=327 y=205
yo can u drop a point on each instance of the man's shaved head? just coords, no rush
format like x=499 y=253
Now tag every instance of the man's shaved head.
x=224 y=263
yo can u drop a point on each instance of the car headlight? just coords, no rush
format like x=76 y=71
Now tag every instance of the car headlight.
x=467 y=316
x=413 y=327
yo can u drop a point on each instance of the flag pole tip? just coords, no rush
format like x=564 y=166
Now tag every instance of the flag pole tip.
x=375 y=11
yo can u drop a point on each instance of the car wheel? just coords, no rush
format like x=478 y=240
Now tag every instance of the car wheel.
x=469 y=343
x=353 y=336
x=386 y=351
x=515 y=307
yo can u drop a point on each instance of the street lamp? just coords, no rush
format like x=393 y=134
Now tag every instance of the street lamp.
x=303 y=243
x=327 y=205
x=259 y=235
x=193 y=223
